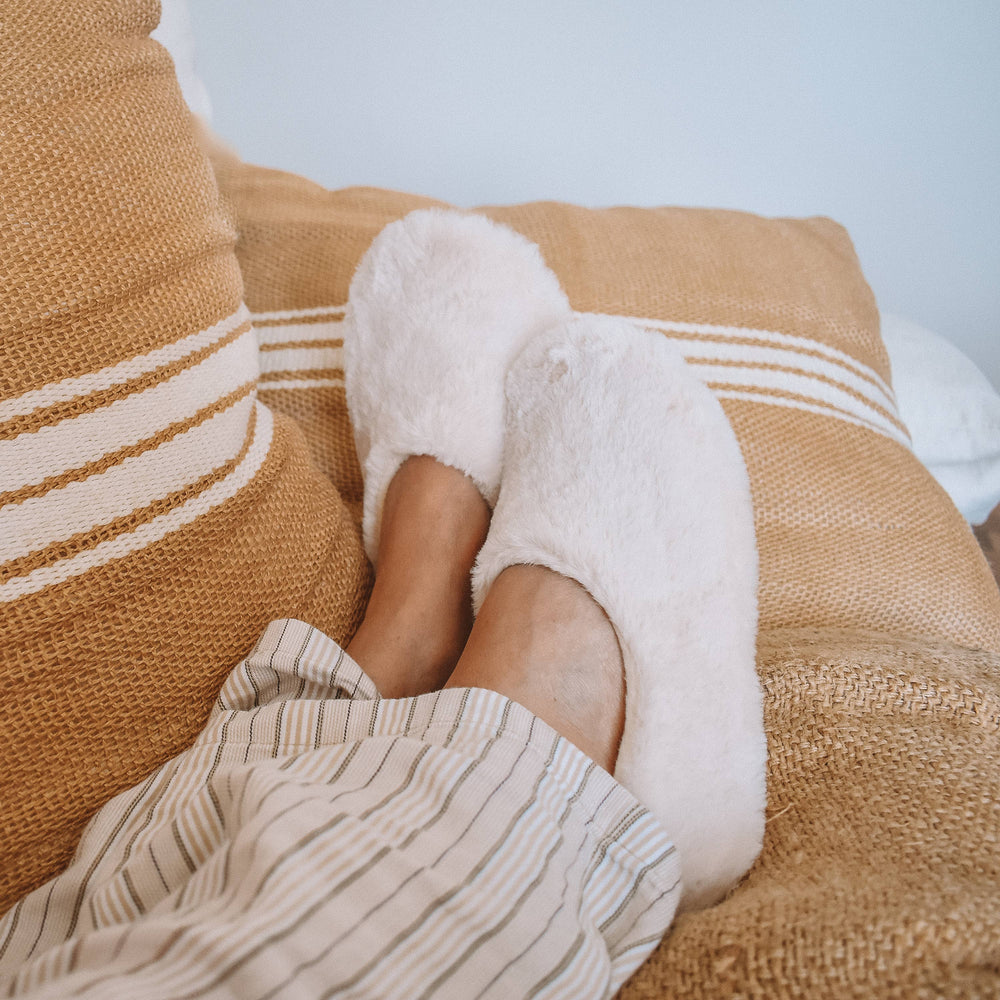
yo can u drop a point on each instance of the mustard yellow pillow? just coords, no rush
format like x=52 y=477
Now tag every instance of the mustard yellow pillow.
x=879 y=645
x=775 y=315
x=154 y=516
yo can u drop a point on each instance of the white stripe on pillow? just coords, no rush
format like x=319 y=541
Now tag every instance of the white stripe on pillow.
x=74 y=442
x=297 y=315
x=124 y=371
x=155 y=529
x=301 y=359
x=760 y=366
x=810 y=406
x=790 y=388
x=301 y=383
x=783 y=340
x=275 y=334
x=126 y=487
x=318 y=347
x=757 y=356
x=98 y=466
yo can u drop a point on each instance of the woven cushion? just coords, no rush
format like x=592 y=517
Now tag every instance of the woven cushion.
x=776 y=316
x=878 y=876
x=153 y=516
x=880 y=873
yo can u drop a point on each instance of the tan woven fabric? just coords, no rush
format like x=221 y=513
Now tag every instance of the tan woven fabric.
x=881 y=871
x=298 y=247
x=776 y=316
x=153 y=517
x=880 y=875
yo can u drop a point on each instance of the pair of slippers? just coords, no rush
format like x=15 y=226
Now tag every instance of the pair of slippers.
x=606 y=460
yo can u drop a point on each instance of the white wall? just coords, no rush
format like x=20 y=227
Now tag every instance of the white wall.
x=880 y=113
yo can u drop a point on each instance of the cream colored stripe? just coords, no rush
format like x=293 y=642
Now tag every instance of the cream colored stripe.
x=70 y=444
x=513 y=867
x=83 y=385
x=812 y=406
x=753 y=356
x=601 y=878
x=301 y=383
x=857 y=395
x=804 y=386
x=771 y=338
x=202 y=830
x=135 y=483
x=290 y=332
x=767 y=337
x=283 y=315
x=152 y=531
x=301 y=359
x=112 y=904
x=814 y=367
x=185 y=779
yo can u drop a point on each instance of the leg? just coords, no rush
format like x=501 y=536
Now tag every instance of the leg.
x=621 y=472
x=540 y=638
x=433 y=523
x=439 y=306
x=544 y=642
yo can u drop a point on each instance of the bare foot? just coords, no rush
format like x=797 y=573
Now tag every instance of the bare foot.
x=419 y=616
x=543 y=641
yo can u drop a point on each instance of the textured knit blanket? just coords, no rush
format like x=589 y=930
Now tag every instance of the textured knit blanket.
x=880 y=874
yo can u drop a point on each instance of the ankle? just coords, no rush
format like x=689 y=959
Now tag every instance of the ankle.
x=420 y=611
x=544 y=642
x=404 y=653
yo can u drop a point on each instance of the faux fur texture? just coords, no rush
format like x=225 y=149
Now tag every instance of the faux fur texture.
x=439 y=306
x=621 y=471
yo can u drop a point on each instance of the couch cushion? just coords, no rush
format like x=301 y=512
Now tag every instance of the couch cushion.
x=775 y=315
x=154 y=516
x=880 y=873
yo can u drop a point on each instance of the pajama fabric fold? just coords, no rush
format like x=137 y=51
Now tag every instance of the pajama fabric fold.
x=319 y=841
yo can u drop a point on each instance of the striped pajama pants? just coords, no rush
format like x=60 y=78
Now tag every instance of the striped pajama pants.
x=317 y=841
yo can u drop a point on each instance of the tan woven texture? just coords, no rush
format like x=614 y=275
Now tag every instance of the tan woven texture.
x=153 y=518
x=853 y=531
x=880 y=875
x=298 y=246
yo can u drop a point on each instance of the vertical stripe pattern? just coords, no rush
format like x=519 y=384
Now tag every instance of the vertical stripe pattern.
x=318 y=841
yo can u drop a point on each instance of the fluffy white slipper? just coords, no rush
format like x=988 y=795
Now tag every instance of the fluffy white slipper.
x=621 y=471
x=439 y=306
